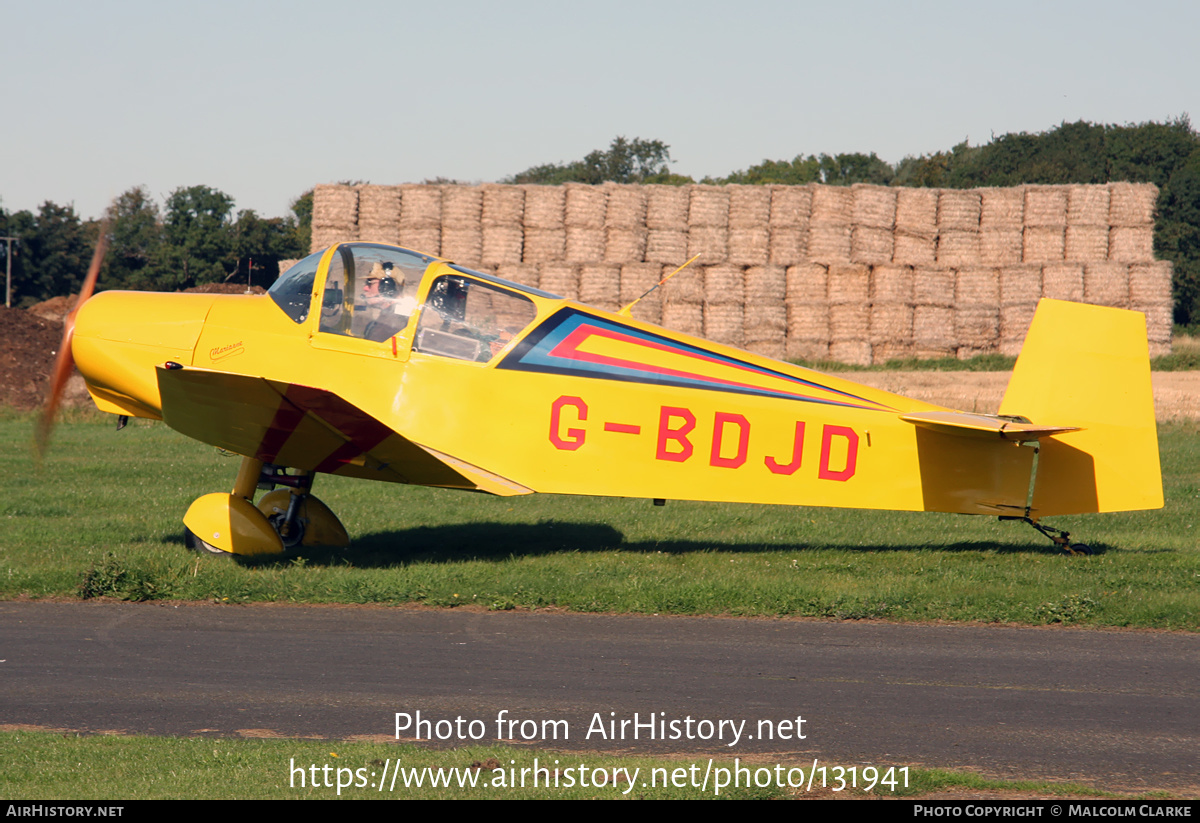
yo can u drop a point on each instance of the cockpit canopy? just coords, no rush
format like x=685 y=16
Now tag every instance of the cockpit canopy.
x=372 y=291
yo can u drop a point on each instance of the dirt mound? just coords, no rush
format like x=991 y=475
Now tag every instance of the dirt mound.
x=56 y=308
x=28 y=346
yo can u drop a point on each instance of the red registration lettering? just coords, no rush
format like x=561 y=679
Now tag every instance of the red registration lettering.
x=715 y=458
x=797 y=454
x=666 y=434
x=571 y=439
x=827 y=435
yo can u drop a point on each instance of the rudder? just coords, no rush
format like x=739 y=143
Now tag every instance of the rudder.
x=1089 y=366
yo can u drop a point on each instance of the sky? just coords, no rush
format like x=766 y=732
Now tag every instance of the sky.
x=263 y=100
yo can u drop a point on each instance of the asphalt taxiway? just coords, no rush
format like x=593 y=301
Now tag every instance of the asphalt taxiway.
x=1118 y=709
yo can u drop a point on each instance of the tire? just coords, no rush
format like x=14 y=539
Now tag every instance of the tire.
x=292 y=540
x=199 y=546
x=1081 y=548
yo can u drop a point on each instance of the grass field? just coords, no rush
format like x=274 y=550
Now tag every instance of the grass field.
x=102 y=517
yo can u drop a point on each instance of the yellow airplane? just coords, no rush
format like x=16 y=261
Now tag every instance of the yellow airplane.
x=373 y=361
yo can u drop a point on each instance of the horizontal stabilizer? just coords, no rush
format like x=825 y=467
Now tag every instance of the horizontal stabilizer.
x=983 y=425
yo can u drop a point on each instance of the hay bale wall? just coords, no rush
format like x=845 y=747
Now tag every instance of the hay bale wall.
x=859 y=274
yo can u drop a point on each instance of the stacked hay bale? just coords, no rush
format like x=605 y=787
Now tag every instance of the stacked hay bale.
x=872 y=237
x=849 y=293
x=958 y=216
x=462 y=224
x=1020 y=290
x=1131 y=217
x=933 y=312
x=765 y=317
x=892 y=307
x=625 y=235
x=666 y=224
x=379 y=214
x=1001 y=226
x=625 y=227
x=830 y=225
x=791 y=215
x=421 y=218
x=860 y=274
x=806 y=296
x=545 y=239
x=1150 y=292
x=503 y=232
x=667 y=245
x=1045 y=224
x=335 y=215
x=1087 y=223
x=724 y=284
x=584 y=218
x=1002 y=244
x=749 y=238
x=915 y=241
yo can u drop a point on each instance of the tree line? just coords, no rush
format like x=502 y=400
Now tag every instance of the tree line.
x=196 y=237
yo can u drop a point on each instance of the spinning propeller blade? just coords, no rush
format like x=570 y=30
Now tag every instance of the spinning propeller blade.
x=65 y=362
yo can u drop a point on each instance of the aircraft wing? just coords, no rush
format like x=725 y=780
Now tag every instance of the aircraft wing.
x=307 y=428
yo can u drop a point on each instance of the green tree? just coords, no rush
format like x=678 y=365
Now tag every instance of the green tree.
x=834 y=170
x=302 y=209
x=136 y=256
x=799 y=171
x=198 y=235
x=52 y=255
x=1177 y=237
x=625 y=161
x=1149 y=152
x=260 y=243
x=848 y=169
x=21 y=226
x=933 y=170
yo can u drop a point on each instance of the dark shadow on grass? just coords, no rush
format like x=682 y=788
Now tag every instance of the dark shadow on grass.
x=500 y=541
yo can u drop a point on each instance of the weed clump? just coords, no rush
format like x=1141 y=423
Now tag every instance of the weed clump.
x=111 y=578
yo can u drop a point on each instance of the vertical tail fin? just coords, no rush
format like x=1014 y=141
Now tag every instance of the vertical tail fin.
x=1089 y=366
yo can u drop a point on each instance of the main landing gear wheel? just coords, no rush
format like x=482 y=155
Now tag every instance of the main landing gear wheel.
x=197 y=545
x=1079 y=548
x=291 y=536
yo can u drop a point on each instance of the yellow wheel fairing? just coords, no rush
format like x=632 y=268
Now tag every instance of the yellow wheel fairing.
x=232 y=524
x=321 y=525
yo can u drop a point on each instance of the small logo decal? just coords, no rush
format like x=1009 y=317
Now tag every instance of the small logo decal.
x=222 y=352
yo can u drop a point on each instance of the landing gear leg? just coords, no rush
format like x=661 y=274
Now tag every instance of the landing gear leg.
x=1059 y=537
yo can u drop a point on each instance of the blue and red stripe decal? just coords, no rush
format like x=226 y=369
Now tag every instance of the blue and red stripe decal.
x=556 y=347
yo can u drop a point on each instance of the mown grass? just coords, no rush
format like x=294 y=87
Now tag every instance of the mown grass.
x=101 y=517
x=41 y=765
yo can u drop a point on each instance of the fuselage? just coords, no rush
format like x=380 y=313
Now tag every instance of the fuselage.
x=544 y=393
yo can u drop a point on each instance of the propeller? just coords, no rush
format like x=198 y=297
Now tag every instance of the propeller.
x=65 y=362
